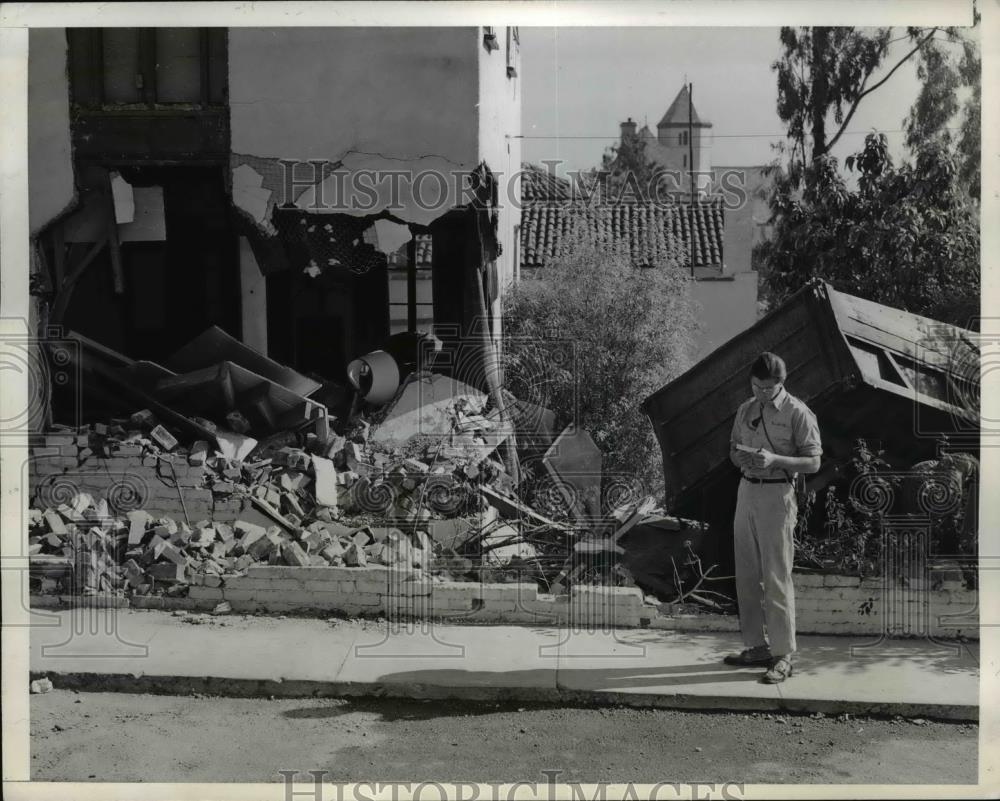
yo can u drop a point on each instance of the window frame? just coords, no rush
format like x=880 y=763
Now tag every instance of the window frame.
x=87 y=71
x=513 y=50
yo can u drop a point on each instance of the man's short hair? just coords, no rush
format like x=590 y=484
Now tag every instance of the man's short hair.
x=769 y=365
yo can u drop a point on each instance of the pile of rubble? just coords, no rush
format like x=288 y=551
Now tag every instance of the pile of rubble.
x=416 y=484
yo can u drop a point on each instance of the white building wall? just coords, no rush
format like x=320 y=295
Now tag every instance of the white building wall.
x=499 y=142
x=382 y=99
x=50 y=163
x=728 y=307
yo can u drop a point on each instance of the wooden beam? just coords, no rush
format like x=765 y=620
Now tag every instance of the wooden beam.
x=63 y=293
x=117 y=272
x=411 y=284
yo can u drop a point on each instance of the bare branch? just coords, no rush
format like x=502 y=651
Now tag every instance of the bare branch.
x=869 y=90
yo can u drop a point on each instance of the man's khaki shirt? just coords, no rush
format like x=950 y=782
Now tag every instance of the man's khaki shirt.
x=792 y=426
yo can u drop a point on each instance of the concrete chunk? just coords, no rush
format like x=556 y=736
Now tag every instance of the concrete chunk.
x=326 y=482
x=137 y=526
x=354 y=556
x=55 y=522
x=294 y=555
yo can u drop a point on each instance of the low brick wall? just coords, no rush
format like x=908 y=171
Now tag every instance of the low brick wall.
x=935 y=606
x=376 y=590
x=825 y=605
x=165 y=485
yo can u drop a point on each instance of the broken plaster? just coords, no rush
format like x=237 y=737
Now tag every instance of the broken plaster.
x=390 y=236
x=250 y=195
x=413 y=189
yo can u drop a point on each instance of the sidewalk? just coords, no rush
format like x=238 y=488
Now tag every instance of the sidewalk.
x=149 y=651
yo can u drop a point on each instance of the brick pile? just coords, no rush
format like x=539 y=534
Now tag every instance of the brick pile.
x=122 y=508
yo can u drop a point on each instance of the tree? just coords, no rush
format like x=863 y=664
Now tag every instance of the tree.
x=943 y=73
x=632 y=330
x=626 y=171
x=908 y=236
x=831 y=70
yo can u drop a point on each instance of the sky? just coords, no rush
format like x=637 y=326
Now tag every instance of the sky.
x=580 y=83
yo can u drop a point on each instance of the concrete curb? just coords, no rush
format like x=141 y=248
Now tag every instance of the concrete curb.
x=301 y=688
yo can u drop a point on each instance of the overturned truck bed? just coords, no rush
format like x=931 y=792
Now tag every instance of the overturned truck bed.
x=868 y=371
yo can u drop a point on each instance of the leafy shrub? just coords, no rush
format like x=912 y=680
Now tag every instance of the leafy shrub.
x=632 y=331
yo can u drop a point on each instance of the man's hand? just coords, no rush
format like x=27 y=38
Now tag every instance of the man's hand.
x=762 y=458
x=741 y=458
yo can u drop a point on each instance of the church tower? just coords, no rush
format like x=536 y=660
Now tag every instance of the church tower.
x=672 y=134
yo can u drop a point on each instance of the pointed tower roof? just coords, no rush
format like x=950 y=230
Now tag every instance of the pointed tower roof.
x=677 y=114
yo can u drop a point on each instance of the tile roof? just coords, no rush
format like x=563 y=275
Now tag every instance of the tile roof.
x=649 y=231
x=538 y=183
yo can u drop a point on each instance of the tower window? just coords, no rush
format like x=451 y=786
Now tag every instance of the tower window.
x=685 y=160
x=682 y=139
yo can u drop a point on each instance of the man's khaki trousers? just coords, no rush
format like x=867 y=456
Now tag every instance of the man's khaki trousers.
x=762 y=531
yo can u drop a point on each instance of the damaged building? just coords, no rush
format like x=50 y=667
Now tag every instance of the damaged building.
x=243 y=240
x=276 y=183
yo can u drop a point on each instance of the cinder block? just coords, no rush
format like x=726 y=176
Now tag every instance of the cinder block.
x=454 y=590
x=200 y=592
x=507 y=592
x=366 y=599
x=807 y=579
x=373 y=585
x=500 y=606
x=345 y=588
x=546 y=608
x=454 y=603
x=834 y=580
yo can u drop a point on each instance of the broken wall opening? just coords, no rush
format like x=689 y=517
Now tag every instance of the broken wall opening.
x=180 y=274
x=332 y=302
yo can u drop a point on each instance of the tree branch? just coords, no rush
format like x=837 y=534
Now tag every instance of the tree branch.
x=869 y=90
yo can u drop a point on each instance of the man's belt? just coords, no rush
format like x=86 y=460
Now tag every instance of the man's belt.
x=766 y=480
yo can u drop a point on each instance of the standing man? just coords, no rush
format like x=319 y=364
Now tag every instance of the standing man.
x=775 y=437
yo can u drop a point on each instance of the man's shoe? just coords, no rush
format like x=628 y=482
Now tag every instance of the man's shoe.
x=781 y=668
x=751 y=657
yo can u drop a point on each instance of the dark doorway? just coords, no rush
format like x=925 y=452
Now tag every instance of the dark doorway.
x=175 y=288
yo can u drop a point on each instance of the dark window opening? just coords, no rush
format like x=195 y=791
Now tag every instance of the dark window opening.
x=925 y=380
x=874 y=361
x=175 y=287
x=111 y=67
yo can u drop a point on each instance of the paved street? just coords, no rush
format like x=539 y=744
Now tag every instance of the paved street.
x=111 y=737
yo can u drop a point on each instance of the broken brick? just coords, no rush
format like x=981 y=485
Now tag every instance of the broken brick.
x=354 y=556
x=332 y=550
x=199 y=453
x=168 y=572
x=134 y=574
x=163 y=438
x=174 y=554
x=294 y=555
x=56 y=524
x=144 y=419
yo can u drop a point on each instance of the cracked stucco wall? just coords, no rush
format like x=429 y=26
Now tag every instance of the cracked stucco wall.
x=362 y=98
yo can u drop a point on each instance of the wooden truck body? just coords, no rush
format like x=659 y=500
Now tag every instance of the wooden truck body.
x=868 y=371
